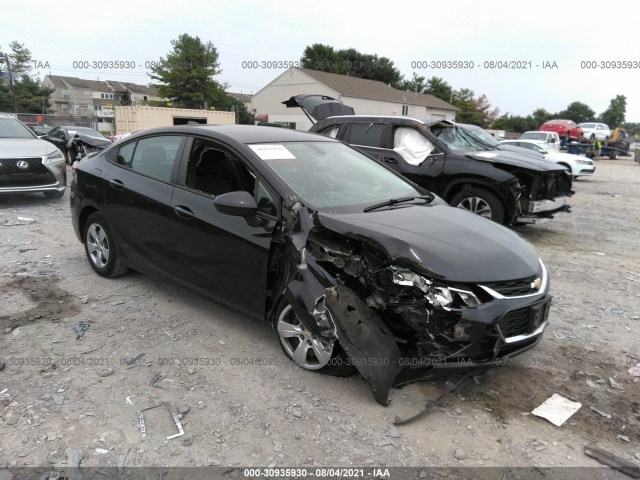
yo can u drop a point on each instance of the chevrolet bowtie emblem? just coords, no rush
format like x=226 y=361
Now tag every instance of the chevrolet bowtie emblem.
x=536 y=284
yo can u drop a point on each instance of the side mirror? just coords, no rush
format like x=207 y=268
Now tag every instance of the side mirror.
x=239 y=204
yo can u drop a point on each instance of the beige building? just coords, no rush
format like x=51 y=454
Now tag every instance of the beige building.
x=367 y=97
x=130 y=118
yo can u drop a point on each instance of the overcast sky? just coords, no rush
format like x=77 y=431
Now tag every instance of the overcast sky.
x=566 y=33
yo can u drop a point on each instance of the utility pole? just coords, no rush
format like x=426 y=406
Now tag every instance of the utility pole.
x=11 y=85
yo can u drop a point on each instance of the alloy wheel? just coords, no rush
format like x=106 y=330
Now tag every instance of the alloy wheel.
x=97 y=245
x=476 y=205
x=300 y=345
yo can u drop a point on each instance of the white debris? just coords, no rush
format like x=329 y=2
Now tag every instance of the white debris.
x=557 y=409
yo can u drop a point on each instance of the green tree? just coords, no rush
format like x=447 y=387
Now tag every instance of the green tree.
x=614 y=115
x=514 y=123
x=539 y=116
x=578 y=112
x=486 y=112
x=416 y=84
x=29 y=95
x=465 y=101
x=350 y=62
x=185 y=76
x=437 y=87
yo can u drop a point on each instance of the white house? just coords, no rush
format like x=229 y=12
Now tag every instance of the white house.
x=367 y=97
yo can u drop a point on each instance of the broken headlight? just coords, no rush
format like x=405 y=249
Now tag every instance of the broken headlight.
x=437 y=293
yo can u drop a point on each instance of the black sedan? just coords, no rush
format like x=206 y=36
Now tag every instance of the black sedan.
x=355 y=266
x=74 y=141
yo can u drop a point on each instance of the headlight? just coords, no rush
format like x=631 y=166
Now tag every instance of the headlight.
x=585 y=162
x=54 y=157
x=438 y=294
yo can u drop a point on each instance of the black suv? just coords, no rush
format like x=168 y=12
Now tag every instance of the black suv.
x=448 y=160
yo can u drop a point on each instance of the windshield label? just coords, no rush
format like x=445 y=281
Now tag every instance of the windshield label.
x=270 y=151
x=486 y=154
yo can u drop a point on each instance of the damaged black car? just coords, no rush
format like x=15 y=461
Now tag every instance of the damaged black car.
x=449 y=160
x=355 y=267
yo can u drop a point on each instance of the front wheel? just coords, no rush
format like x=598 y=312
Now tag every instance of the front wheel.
x=308 y=350
x=101 y=248
x=481 y=202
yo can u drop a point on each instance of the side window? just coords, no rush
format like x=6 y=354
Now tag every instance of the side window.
x=264 y=199
x=331 y=132
x=152 y=156
x=215 y=170
x=366 y=134
x=125 y=155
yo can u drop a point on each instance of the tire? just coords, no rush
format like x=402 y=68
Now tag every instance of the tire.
x=54 y=194
x=100 y=248
x=593 y=136
x=613 y=155
x=308 y=353
x=479 y=201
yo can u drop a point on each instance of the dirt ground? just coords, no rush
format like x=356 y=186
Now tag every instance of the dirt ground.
x=244 y=404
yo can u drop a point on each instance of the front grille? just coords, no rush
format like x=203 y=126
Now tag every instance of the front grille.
x=552 y=186
x=34 y=174
x=515 y=322
x=513 y=288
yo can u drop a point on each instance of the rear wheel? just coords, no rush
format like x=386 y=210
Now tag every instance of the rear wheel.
x=306 y=349
x=101 y=248
x=479 y=201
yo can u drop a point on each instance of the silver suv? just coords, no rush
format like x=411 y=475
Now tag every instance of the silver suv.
x=28 y=164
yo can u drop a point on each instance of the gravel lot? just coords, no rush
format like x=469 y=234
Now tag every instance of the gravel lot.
x=249 y=406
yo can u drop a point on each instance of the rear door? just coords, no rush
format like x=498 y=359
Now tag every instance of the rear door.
x=138 y=190
x=220 y=255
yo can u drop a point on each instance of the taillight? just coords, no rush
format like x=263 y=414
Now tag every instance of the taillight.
x=74 y=166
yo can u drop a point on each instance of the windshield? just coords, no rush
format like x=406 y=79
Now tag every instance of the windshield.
x=328 y=175
x=587 y=125
x=534 y=136
x=457 y=138
x=482 y=134
x=11 y=128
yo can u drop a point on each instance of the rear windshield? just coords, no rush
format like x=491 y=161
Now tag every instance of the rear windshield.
x=534 y=136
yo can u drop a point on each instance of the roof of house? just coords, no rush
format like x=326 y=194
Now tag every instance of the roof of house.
x=243 y=97
x=356 y=87
x=100 y=86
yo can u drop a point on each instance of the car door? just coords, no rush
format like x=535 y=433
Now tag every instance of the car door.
x=222 y=256
x=138 y=190
x=58 y=137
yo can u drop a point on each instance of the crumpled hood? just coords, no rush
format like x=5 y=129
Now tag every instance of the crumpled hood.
x=25 y=147
x=515 y=159
x=446 y=242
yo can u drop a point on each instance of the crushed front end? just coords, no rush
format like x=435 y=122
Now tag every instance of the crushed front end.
x=542 y=194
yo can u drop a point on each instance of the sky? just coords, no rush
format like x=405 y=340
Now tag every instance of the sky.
x=562 y=35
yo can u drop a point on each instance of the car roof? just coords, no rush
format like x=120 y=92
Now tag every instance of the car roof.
x=525 y=140
x=246 y=134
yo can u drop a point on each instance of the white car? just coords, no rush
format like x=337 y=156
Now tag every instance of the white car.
x=595 y=130
x=551 y=140
x=28 y=164
x=578 y=165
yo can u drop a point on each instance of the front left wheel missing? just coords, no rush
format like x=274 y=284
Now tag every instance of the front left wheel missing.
x=100 y=248
x=308 y=350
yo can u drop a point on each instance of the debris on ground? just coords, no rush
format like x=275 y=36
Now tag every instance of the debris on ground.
x=105 y=372
x=613 y=461
x=557 y=409
x=157 y=378
x=81 y=327
x=599 y=412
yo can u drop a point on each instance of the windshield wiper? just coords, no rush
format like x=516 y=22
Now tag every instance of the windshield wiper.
x=395 y=201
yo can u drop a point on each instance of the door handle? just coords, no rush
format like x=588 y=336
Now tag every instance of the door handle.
x=183 y=212
x=117 y=184
x=389 y=160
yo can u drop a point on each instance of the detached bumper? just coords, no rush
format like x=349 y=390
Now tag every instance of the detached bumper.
x=540 y=210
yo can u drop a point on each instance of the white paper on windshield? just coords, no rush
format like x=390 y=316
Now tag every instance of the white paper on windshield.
x=270 y=151
x=486 y=154
x=411 y=145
